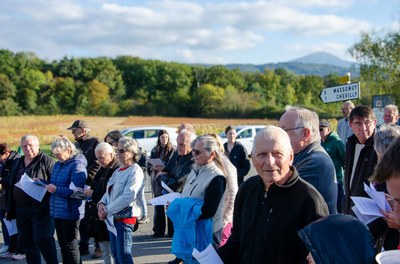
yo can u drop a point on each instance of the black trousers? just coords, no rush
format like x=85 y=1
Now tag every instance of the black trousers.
x=159 y=221
x=67 y=236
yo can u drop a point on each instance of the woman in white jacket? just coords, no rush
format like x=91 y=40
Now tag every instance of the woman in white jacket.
x=120 y=199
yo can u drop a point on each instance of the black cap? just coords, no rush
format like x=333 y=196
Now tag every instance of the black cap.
x=78 y=124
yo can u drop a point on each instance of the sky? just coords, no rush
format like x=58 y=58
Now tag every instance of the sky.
x=198 y=31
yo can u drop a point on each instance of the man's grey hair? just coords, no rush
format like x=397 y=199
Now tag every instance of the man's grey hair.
x=104 y=147
x=384 y=137
x=271 y=132
x=188 y=133
x=392 y=107
x=350 y=103
x=306 y=119
x=33 y=137
x=86 y=130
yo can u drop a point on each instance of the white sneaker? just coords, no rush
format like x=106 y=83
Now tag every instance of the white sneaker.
x=18 y=257
x=144 y=220
x=4 y=249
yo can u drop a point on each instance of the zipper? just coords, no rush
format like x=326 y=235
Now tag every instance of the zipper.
x=192 y=189
x=266 y=193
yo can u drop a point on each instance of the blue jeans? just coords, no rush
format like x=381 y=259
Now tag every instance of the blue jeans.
x=36 y=235
x=121 y=245
x=4 y=230
x=67 y=236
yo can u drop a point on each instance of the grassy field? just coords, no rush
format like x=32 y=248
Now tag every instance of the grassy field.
x=48 y=127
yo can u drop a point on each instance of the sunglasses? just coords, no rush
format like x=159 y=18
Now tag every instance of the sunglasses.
x=121 y=151
x=321 y=129
x=196 y=151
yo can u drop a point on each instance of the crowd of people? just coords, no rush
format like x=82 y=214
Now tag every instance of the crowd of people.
x=298 y=209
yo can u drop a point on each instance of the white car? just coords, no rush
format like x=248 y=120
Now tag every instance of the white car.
x=245 y=135
x=147 y=136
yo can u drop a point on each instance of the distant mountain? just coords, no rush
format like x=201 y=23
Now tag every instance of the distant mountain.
x=319 y=63
x=323 y=58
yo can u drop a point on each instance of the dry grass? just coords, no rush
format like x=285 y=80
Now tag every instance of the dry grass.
x=48 y=127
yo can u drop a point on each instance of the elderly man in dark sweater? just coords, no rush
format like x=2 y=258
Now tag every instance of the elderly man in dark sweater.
x=270 y=208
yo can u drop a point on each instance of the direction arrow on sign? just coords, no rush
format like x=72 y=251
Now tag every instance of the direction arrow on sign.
x=340 y=93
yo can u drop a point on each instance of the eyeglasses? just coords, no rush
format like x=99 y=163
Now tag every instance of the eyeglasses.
x=111 y=142
x=121 y=151
x=288 y=129
x=196 y=151
x=321 y=129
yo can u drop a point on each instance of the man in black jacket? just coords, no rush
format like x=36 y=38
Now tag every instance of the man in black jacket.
x=87 y=144
x=360 y=162
x=175 y=173
x=35 y=226
x=270 y=208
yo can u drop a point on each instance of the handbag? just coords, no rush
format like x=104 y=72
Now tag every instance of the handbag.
x=124 y=213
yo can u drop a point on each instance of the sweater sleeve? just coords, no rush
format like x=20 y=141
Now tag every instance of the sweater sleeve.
x=212 y=196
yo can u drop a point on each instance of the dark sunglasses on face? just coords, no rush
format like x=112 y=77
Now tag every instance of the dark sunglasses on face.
x=121 y=151
x=321 y=129
x=196 y=151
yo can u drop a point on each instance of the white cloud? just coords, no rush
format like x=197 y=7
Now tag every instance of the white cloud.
x=319 y=3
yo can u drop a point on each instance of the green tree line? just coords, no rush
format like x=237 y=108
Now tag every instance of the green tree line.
x=128 y=85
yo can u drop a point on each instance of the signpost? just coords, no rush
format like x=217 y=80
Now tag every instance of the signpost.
x=345 y=79
x=340 y=93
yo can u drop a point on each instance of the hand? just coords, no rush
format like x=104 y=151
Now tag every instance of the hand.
x=158 y=168
x=390 y=220
x=390 y=200
x=161 y=173
x=51 y=188
x=102 y=211
x=88 y=192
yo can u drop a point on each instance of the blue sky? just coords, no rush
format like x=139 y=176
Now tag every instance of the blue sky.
x=218 y=31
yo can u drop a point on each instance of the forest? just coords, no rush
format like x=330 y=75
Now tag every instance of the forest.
x=128 y=86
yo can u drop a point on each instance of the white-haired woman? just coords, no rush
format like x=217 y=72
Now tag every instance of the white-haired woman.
x=70 y=168
x=207 y=183
x=96 y=228
x=120 y=199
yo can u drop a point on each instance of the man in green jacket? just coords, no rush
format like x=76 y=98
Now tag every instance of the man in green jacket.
x=332 y=143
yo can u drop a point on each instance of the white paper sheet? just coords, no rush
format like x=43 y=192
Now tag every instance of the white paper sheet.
x=207 y=256
x=26 y=184
x=166 y=187
x=110 y=224
x=165 y=199
x=366 y=219
x=366 y=206
x=156 y=162
x=11 y=226
x=378 y=197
